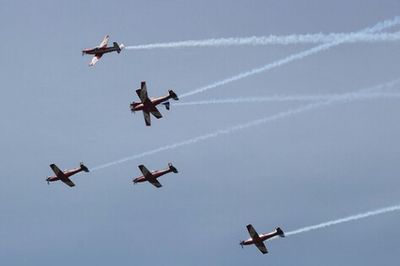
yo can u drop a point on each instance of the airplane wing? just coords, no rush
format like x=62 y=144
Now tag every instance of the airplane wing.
x=256 y=238
x=57 y=171
x=60 y=174
x=146 y=173
x=261 y=247
x=253 y=233
x=104 y=42
x=154 y=111
x=155 y=183
x=149 y=176
x=142 y=92
x=147 y=118
x=67 y=181
x=95 y=60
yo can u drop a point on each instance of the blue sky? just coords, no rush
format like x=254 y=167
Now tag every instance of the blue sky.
x=310 y=168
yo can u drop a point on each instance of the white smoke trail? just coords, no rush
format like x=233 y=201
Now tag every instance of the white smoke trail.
x=273 y=40
x=344 y=220
x=343 y=98
x=286 y=98
x=378 y=27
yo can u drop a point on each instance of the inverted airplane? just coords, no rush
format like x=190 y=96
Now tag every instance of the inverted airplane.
x=102 y=49
x=64 y=175
x=258 y=240
x=152 y=176
x=148 y=105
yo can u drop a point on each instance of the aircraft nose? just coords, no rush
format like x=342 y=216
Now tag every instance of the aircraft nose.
x=132 y=107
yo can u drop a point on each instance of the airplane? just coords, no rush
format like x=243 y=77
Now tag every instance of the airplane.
x=148 y=105
x=64 y=175
x=102 y=49
x=152 y=176
x=258 y=240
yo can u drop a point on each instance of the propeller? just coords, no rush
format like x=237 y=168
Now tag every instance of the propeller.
x=241 y=243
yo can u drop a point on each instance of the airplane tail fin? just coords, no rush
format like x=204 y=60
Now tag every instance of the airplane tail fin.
x=167 y=105
x=84 y=168
x=118 y=47
x=172 y=168
x=280 y=232
x=173 y=95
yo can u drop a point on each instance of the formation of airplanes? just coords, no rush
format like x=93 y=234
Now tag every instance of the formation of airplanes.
x=149 y=106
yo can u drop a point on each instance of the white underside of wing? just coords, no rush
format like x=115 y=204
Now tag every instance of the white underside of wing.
x=94 y=61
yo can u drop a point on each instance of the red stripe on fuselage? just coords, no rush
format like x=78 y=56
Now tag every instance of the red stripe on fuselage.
x=156 y=174
x=263 y=237
x=148 y=106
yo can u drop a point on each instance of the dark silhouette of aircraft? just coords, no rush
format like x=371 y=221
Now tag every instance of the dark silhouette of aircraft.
x=152 y=176
x=102 y=49
x=148 y=105
x=258 y=240
x=64 y=175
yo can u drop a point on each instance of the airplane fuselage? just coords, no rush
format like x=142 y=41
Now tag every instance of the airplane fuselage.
x=67 y=173
x=101 y=51
x=263 y=237
x=156 y=174
x=147 y=106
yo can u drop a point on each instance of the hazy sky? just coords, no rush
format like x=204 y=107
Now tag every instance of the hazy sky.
x=316 y=166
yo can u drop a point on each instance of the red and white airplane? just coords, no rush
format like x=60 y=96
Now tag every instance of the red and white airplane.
x=148 y=105
x=64 y=175
x=152 y=176
x=102 y=49
x=258 y=240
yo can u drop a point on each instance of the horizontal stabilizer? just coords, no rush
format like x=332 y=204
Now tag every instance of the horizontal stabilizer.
x=173 y=95
x=172 y=168
x=280 y=232
x=84 y=168
x=117 y=47
x=167 y=105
